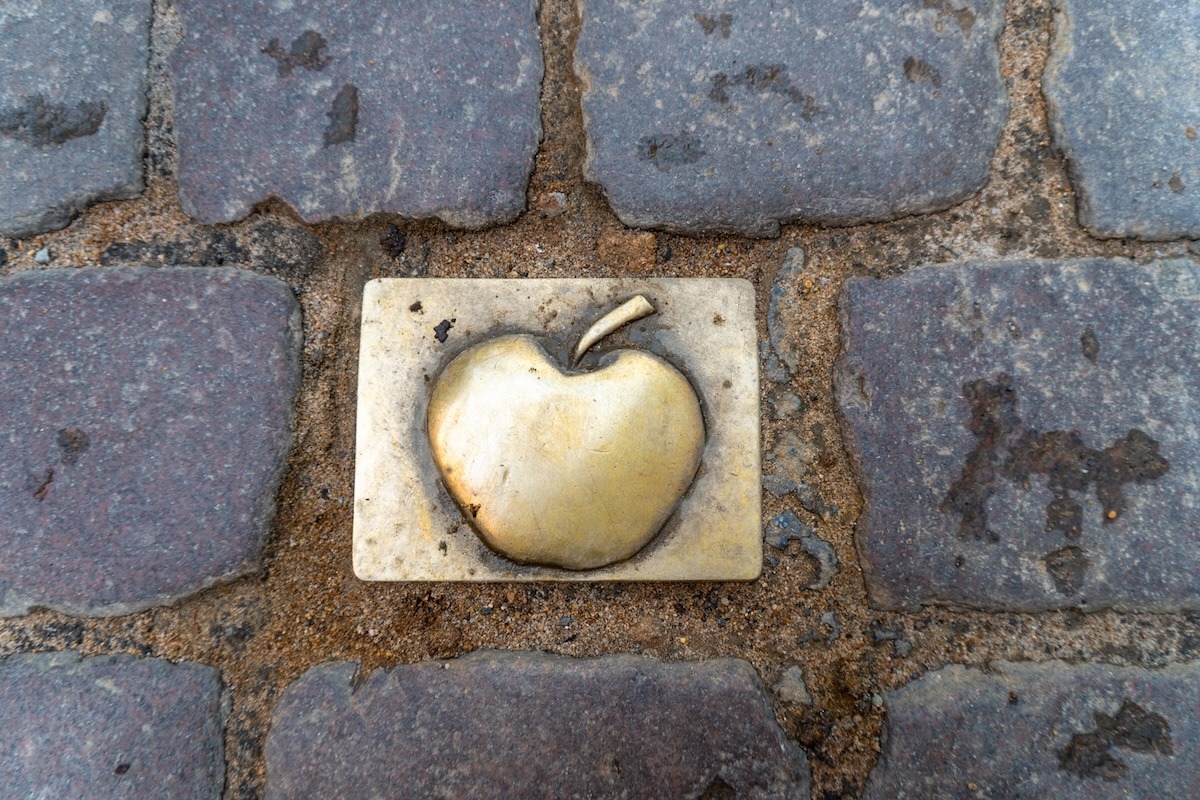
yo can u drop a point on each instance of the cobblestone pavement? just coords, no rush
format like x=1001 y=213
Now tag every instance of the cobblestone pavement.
x=974 y=231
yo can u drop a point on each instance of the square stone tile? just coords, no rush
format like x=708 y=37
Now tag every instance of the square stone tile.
x=407 y=527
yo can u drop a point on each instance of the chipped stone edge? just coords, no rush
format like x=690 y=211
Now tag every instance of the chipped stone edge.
x=847 y=371
x=14 y=604
x=769 y=227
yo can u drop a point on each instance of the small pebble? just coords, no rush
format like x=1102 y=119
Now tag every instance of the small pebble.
x=551 y=204
x=791 y=687
x=42 y=256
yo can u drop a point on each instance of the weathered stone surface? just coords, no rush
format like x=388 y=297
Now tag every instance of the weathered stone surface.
x=146 y=417
x=739 y=116
x=1123 y=87
x=72 y=98
x=110 y=727
x=1025 y=433
x=1028 y=731
x=426 y=109
x=500 y=725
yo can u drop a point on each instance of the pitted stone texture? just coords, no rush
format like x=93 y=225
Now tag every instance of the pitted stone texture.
x=739 y=116
x=1029 y=731
x=1123 y=89
x=1025 y=433
x=72 y=98
x=110 y=727
x=500 y=725
x=425 y=109
x=146 y=417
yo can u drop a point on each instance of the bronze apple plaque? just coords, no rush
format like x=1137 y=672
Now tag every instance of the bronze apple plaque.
x=558 y=429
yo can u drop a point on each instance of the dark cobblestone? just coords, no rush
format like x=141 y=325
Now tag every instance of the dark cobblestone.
x=421 y=109
x=72 y=98
x=505 y=725
x=110 y=727
x=147 y=417
x=1027 y=731
x=1123 y=87
x=1025 y=434
x=699 y=120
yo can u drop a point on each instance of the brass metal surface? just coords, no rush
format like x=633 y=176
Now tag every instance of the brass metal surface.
x=413 y=520
x=565 y=468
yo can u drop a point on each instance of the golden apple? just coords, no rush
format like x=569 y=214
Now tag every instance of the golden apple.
x=562 y=467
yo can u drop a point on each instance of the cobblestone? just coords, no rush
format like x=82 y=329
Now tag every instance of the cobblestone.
x=147 y=416
x=126 y=490
x=1024 y=434
x=501 y=725
x=72 y=98
x=1042 y=730
x=110 y=727
x=1123 y=87
x=419 y=109
x=701 y=118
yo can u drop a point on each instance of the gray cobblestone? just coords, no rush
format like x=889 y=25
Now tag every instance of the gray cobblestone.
x=740 y=116
x=1028 y=731
x=426 y=109
x=505 y=725
x=1024 y=433
x=72 y=98
x=1123 y=86
x=110 y=727
x=146 y=415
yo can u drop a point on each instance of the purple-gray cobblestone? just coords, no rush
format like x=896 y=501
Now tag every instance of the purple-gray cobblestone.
x=1123 y=89
x=1028 y=731
x=146 y=416
x=1025 y=433
x=500 y=725
x=740 y=116
x=72 y=99
x=426 y=109
x=110 y=727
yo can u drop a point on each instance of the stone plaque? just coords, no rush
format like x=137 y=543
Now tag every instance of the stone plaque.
x=559 y=429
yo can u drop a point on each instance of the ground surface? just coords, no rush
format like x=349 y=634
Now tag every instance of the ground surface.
x=305 y=606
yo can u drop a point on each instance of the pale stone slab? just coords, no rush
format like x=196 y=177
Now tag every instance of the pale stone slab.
x=407 y=528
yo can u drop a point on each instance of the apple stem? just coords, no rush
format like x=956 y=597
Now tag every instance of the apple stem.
x=629 y=311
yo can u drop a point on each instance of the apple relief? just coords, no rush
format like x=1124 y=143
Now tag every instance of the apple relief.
x=565 y=467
